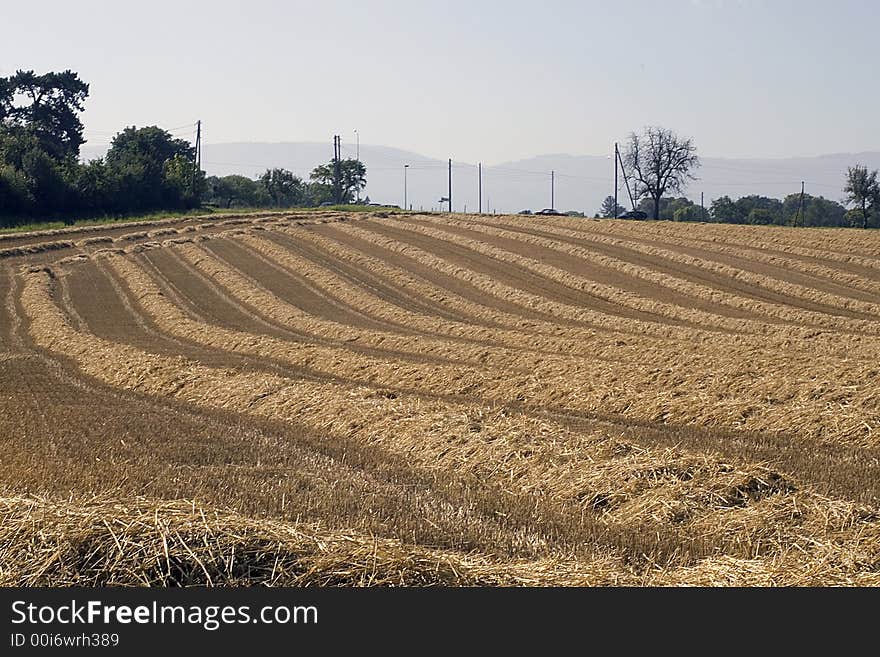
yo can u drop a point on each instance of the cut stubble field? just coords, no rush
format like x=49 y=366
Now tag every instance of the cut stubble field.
x=413 y=399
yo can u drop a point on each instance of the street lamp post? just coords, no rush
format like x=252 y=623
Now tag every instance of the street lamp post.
x=405 y=167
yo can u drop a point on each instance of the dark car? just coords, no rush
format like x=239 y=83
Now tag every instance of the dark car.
x=634 y=214
x=524 y=212
x=550 y=211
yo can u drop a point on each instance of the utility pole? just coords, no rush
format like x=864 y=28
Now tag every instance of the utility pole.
x=615 y=180
x=480 y=185
x=449 y=200
x=198 y=159
x=337 y=171
x=552 y=190
x=702 y=207
x=199 y=144
x=800 y=204
x=626 y=180
x=405 y=167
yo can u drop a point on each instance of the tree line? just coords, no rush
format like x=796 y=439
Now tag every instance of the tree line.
x=280 y=188
x=145 y=169
x=753 y=209
x=658 y=161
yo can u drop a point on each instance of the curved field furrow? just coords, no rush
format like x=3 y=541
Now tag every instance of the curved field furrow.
x=301 y=244
x=855 y=242
x=810 y=271
x=268 y=360
x=443 y=288
x=459 y=337
x=404 y=344
x=457 y=294
x=217 y=457
x=519 y=277
x=742 y=395
x=704 y=510
x=786 y=241
x=423 y=250
x=497 y=383
x=682 y=313
x=343 y=245
x=293 y=289
x=621 y=352
x=440 y=399
x=615 y=277
x=688 y=391
x=772 y=284
x=832 y=344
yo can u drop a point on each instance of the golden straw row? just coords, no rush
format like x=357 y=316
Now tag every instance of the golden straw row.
x=589 y=342
x=489 y=285
x=682 y=241
x=810 y=340
x=561 y=338
x=793 y=290
x=520 y=350
x=243 y=290
x=763 y=395
x=645 y=304
x=609 y=346
x=798 y=241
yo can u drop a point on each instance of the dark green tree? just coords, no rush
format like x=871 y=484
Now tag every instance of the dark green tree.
x=668 y=207
x=761 y=217
x=607 y=209
x=183 y=182
x=94 y=187
x=814 y=211
x=35 y=182
x=137 y=161
x=724 y=210
x=15 y=197
x=352 y=178
x=46 y=107
x=862 y=190
x=235 y=190
x=690 y=213
x=283 y=188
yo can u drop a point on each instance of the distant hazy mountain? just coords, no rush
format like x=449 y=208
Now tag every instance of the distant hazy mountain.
x=581 y=181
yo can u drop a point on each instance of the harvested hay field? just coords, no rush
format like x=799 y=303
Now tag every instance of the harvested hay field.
x=412 y=400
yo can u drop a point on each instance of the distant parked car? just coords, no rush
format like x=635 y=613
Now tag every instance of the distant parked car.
x=326 y=203
x=550 y=212
x=634 y=214
x=524 y=212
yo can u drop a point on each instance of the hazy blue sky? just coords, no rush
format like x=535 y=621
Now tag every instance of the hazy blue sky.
x=490 y=81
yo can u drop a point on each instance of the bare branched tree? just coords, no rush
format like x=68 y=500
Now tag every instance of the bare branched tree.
x=660 y=161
